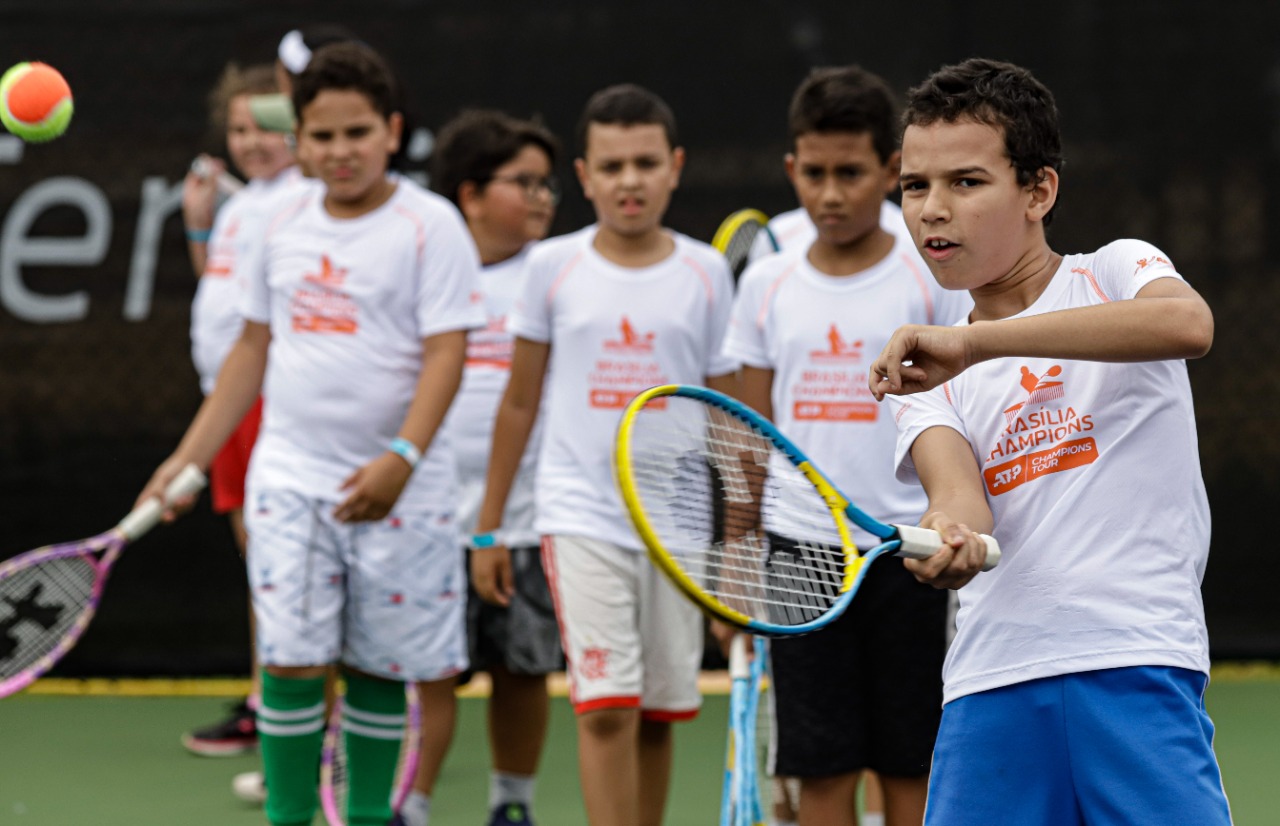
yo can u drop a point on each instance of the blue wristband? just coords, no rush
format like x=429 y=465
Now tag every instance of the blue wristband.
x=200 y=236
x=406 y=450
x=481 y=541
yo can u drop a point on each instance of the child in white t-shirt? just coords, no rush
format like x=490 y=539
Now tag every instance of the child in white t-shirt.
x=865 y=692
x=355 y=329
x=1059 y=418
x=498 y=170
x=606 y=312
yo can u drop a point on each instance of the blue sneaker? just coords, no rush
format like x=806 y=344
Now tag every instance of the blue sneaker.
x=510 y=814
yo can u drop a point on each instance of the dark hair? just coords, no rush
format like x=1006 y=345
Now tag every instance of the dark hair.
x=1001 y=95
x=626 y=105
x=845 y=99
x=349 y=66
x=236 y=81
x=474 y=144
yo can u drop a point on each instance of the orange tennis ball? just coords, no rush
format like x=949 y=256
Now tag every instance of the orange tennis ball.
x=35 y=102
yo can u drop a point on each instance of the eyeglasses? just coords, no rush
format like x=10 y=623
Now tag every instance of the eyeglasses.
x=533 y=185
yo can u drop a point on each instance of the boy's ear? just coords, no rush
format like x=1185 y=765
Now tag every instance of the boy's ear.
x=580 y=169
x=1044 y=194
x=468 y=199
x=893 y=170
x=789 y=162
x=395 y=124
x=677 y=162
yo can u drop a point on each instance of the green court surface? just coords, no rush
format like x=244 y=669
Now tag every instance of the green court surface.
x=112 y=761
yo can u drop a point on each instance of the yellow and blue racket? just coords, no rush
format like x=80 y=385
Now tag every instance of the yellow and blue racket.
x=739 y=234
x=740 y=520
x=744 y=800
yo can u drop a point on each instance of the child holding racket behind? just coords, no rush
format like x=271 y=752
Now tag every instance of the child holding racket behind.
x=355 y=324
x=606 y=312
x=866 y=691
x=498 y=170
x=1061 y=415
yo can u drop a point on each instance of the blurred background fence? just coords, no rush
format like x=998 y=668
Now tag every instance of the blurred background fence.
x=1171 y=136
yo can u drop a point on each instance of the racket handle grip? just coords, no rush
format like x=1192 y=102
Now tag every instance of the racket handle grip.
x=739 y=664
x=921 y=543
x=189 y=481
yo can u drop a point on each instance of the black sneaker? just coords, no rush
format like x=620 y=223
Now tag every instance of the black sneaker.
x=236 y=735
x=510 y=814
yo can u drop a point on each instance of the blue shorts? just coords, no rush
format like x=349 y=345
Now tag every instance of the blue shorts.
x=1122 y=745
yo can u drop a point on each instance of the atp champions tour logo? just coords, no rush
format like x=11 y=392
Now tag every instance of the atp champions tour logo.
x=1036 y=422
x=838 y=349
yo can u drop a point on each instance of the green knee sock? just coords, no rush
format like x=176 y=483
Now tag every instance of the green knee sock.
x=373 y=716
x=290 y=729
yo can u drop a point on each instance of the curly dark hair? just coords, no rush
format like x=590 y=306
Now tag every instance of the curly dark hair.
x=1001 y=95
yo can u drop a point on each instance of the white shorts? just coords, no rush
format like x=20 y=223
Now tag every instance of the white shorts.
x=630 y=639
x=387 y=598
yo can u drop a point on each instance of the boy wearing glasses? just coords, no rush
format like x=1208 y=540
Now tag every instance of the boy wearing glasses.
x=498 y=171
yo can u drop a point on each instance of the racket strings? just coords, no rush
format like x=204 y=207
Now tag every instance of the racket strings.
x=728 y=506
x=738 y=250
x=39 y=606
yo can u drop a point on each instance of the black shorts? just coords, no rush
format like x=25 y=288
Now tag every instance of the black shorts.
x=865 y=692
x=524 y=636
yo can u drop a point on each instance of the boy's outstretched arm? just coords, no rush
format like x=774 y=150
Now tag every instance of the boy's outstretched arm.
x=373 y=489
x=239 y=384
x=958 y=508
x=517 y=412
x=1166 y=320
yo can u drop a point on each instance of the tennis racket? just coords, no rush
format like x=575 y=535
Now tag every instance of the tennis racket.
x=333 y=760
x=744 y=800
x=740 y=520
x=48 y=596
x=739 y=234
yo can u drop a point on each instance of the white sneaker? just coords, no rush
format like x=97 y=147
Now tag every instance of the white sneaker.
x=251 y=787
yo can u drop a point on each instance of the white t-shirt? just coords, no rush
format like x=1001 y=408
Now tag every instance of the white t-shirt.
x=349 y=303
x=614 y=331
x=237 y=234
x=794 y=229
x=470 y=422
x=819 y=334
x=1093 y=476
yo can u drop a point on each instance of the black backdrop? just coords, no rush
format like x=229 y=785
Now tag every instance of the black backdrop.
x=1171 y=136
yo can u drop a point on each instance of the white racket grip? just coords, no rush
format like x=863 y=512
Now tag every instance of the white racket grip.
x=921 y=543
x=739 y=665
x=189 y=481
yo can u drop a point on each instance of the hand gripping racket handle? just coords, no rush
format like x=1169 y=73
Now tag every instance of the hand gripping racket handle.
x=146 y=516
x=921 y=543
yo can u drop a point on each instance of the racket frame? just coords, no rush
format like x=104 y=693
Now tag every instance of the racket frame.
x=904 y=540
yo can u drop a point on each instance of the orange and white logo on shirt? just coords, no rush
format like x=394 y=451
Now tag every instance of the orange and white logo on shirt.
x=324 y=307
x=625 y=367
x=833 y=387
x=630 y=341
x=492 y=346
x=837 y=348
x=1038 y=437
x=222 y=253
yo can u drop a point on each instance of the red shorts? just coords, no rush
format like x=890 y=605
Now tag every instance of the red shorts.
x=228 y=469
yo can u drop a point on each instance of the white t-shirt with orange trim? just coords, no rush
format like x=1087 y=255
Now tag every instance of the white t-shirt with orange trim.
x=819 y=334
x=470 y=422
x=1092 y=473
x=236 y=237
x=349 y=302
x=794 y=228
x=613 y=331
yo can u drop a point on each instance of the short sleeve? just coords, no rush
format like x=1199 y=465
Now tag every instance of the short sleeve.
x=914 y=415
x=1122 y=268
x=745 y=339
x=251 y=277
x=719 y=362
x=448 y=295
x=531 y=318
